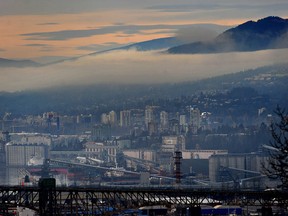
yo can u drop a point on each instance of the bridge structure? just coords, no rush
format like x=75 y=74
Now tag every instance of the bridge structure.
x=47 y=199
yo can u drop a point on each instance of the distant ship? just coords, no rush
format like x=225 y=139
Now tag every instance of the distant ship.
x=35 y=161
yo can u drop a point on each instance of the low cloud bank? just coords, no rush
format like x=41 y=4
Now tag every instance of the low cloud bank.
x=136 y=67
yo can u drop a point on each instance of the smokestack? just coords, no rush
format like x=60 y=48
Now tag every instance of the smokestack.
x=177 y=162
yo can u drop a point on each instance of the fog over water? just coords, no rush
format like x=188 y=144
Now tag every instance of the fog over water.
x=136 y=67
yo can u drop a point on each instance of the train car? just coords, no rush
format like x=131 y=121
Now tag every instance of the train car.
x=222 y=210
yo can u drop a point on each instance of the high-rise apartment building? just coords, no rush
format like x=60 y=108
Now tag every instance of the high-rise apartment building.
x=113 y=118
x=149 y=115
x=183 y=124
x=195 y=119
x=104 y=118
x=125 y=118
x=110 y=118
x=164 y=121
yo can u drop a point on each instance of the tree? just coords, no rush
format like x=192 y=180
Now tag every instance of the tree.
x=278 y=154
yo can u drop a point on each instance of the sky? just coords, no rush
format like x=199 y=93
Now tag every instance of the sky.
x=44 y=31
x=39 y=28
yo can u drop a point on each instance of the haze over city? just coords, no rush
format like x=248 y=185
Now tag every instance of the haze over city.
x=143 y=107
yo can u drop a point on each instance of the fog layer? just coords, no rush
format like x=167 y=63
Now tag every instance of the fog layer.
x=136 y=67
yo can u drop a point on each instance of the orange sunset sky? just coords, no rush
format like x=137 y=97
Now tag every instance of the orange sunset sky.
x=39 y=29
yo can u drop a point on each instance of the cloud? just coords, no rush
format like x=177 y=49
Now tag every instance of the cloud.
x=211 y=5
x=99 y=47
x=42 y=47
x=49 y=23
x=196 y=33
x=49 y=59
x=36 y=45
x=124 y=29
x=37 y=7
x=223 y=11
x=136 y=67
x=48 y=49
x=2 y=50
x=30 y=7
x=282 y=41
x=184 y=7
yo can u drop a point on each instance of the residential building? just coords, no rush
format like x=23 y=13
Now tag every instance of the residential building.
x=125 y=118
x=164 y=121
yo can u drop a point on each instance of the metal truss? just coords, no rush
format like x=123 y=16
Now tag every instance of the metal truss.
x=109 y=200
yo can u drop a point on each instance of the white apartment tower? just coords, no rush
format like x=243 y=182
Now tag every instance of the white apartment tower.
x=113 y=118
x=104 y=118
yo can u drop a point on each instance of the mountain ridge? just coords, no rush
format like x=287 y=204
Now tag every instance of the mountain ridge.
x=18 y=63
x=267 y=33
